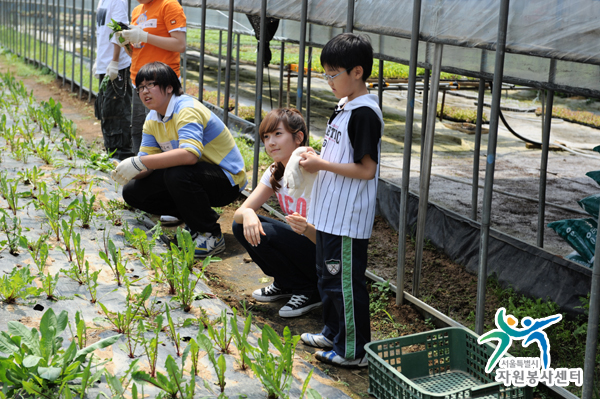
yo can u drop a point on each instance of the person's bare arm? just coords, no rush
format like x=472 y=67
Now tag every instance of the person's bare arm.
x=116 y=52
x=176 y=42
x=246 y=214
x=299 y=224
x=365 y=169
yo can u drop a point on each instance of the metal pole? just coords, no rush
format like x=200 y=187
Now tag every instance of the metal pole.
x=19 y=5
x=426 y=158
x=410 y=111
x=46 y=33
x=544 y=169
x=202 y=41
x=228 y=62
x=92 y=47
x=380 y=84
x=477 y=150
x=591 y=341
x=81 y=51
x=259 y=86
x=53 y=13
x=300 y=85
x=219 y=70
x=281 y=66
x=73 y=47
x=308 y=82
x=237 y=75
x=64 y=41
x=424 y=109
x=35 y=32
x=350 y=17
x=545 y=148
x=489 y=171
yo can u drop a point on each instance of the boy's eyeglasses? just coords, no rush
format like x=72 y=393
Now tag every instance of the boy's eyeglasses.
x=331 y=77
x=148 y=86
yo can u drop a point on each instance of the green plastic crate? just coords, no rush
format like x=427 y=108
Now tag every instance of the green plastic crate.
x=446 y=363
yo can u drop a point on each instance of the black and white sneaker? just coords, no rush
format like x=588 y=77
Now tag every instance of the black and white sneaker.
x=299 y=305
x=271 y=293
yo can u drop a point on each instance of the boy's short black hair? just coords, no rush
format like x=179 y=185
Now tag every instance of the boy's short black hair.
x=162 y=75
x=348 y=50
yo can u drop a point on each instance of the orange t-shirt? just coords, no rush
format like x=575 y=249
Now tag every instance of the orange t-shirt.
x=157 y=18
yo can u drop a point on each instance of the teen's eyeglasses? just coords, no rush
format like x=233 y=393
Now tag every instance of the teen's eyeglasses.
x=141 y=88
x=331 y=77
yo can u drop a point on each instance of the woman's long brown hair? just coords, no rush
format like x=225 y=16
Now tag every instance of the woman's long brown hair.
x=293 y=122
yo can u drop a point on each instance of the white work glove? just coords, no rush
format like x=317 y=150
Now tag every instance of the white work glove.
x=127 y=170
x=134 y=35
x=112 y=70
x=94 y=70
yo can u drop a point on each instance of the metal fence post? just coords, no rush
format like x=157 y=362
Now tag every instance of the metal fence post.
x=228 y=62
x=300 y=85
x=410 y=112
x=202 y=41
x=259 y=86
x=426 y=159
x=491 y=162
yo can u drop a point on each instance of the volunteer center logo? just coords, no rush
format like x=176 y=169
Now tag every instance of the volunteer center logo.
x=526 y=371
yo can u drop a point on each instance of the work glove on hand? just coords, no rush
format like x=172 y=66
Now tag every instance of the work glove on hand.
x=135 y=34
x=127 y=170
x=112 y=70
x=94 y=70
x=120 y=39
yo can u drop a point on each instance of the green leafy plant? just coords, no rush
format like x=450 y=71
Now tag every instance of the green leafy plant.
x=185 y=249
x=31 y=176
x=85 y=210
x=44 y=152
x=119 y=385
x=115 y=262
x=49 y=284
x=12 y=228
x=172 y=330
x=37 y=363
x=185 y=285
x=16 y=285
x=92 y=282
x=219 y=364
x=139 y=240
x=9 y=191
x=67 y=234
x=124 y=322
x=220 y=336
x=38 y=250
x=173 y=384
x=275 y=371
x=151 y=345
x=241 y=339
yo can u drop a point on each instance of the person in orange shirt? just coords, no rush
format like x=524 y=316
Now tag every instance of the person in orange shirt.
x=157 y=33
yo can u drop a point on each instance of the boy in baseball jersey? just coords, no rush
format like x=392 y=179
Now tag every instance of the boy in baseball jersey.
x=344 y=197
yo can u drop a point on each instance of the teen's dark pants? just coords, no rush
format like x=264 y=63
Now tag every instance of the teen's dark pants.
x=284 y=255
x=341 y=266
x=186 y=192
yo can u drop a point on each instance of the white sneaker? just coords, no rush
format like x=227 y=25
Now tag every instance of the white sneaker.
x=208 y=245
x=316 y=340
x=331 y=357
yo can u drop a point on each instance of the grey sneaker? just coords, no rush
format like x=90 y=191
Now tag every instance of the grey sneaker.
x=330 y=357
x=299 y=305
x=316 y=340
x=271 y=293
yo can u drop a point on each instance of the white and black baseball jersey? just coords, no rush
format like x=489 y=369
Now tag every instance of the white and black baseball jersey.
x=341 y=205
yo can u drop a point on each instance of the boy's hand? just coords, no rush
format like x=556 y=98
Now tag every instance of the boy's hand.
x=311 y=162
x=252 y=227
x=297 y=222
